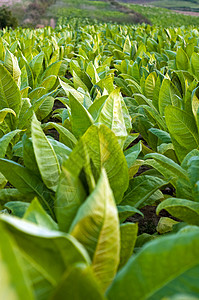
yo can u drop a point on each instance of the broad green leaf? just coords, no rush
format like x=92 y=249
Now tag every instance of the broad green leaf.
x=169 y=95
x=5 y=141
x=127 y=45
x=106 y=84
x=126 y=115
x=45 y=109
x=27 y=112
x=36 y=93
x=42 y=287
x=36 y=64
x=96 y=226
x=45 y=156
x=140 y=190
x=11 y=64
x=128 y=235
x=132 y=153
x=81 y=74
x=185 y=161
x=126 y=211
x=78 y=83
x=103 y=149
x=167 y=150
x=60 y=149
x=182 y=128
x=150 y=85
x=162 y=135
x=3 y=182
x=70 y=195
x=122 y=84
x=52 y=69
x=193 y=167
x=26 y=104
x=135 y=168
x=111 y=115
x=43 y=246
x=97 y=105
x=142 y=239
x=81 y=119
x=154 y=114
x=4 y=112
x=15 y=285
x=195 y=106
x=165 y=225
x=180 y=296
x=24 y=88
x=85 y=287
x=131 y=137
x=66 y=137
x=185 y=210
x=7 y=195
x=26 y=182
x=80 y=165
x=173 y=168
x=91 y=70
x=70 y=90
x=195 y=64
x=36 y=214
x=29 y=72
x=182 y=60
x=49 y=82
x=29 y=155
x=17 y=208
x=9 y=94
x=152 y=283
x=172 y=172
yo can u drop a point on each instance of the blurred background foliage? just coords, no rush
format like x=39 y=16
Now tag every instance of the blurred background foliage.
x=39 y=13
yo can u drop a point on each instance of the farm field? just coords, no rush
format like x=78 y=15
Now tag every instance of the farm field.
x=166 y=17
x=99 y=162
x=104 y=11
x=171 y=4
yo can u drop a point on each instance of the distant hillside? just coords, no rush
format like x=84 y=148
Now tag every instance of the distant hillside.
x=105 y=11
x=186 y=5
x=40 y=12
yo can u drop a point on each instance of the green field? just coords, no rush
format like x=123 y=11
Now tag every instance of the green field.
x=177 y=4
x=99 y=153
x=99 y=10
x=103 y=11
x=99 y=162
x=164 y=17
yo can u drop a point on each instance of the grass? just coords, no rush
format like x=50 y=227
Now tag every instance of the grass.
x=177 y=5
x=164 y=17
x=100 y=10
x=104 y=12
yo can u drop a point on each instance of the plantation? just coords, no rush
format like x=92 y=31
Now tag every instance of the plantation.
x=186 y=5
x=103 y=11
x=99 y=124
x=165 y=17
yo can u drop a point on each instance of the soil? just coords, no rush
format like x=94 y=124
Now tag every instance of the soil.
x=53 y=132
x=150 y=221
